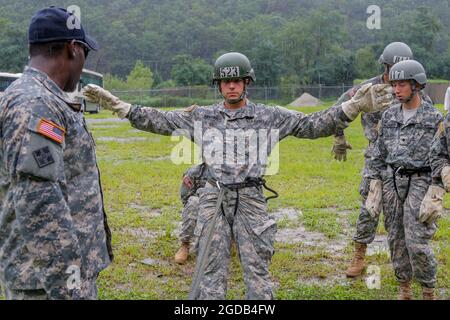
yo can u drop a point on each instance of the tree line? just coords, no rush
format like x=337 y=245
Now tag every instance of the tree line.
x=175 y=42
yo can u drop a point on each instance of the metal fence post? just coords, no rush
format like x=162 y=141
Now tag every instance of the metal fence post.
x=265 y=95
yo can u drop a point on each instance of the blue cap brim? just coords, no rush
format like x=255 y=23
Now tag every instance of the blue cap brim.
x=92 y=44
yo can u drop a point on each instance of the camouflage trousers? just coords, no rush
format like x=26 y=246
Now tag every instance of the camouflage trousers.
x=408 y=239
x=366 y=226
x=254 y=233
x=189 y=216
x=88 y=291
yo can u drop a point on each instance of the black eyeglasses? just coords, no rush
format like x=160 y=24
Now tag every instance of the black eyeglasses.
x=85 y=48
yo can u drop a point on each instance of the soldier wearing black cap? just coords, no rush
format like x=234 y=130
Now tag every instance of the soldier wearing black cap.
x=54 y=236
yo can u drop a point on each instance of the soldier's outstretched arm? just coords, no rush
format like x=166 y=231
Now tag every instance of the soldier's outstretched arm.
x=143 y=118
x=33 y=146
x=315 y=125
x=369 y=98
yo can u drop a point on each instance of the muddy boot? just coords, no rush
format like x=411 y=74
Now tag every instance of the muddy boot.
x=405 y=291
x=182 y=255
x=428 y=293
x=357 y=265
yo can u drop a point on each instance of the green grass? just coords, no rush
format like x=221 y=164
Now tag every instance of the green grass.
x=140 y=174
x=141 y=197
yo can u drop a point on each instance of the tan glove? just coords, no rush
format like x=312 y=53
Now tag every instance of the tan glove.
x=369 y=98
x=445 y=175
x=375 y=198
x=96 y=94
x=432 y=205
x=340 y=147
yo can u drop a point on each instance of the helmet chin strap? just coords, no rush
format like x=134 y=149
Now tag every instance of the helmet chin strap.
x=413 y=92
x=387 y=68
x=235 y=101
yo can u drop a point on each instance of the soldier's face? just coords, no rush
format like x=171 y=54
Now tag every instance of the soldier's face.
x=76 y=65
x=402 y=90
x=232 y=89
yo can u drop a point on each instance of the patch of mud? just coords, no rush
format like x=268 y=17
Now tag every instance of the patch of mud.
x=330 y=280
x=443 y=294
x=176 y=231
x=378 y=246
x=143 y=234
x=154 y=262
x=146 y=211
x=300 y=235
x=286 y=213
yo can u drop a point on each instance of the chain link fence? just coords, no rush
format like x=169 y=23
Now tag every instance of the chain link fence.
x=202 y=95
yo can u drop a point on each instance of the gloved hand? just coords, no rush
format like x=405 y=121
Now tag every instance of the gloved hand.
x=445 y=175
x=375 y=198
x=96 y=94
x=340 y=147
x=369 y=98
x=432 y=206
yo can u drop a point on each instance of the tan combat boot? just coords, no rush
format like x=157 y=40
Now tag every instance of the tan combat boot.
x=428 y=293
x=357 y=265
x=405 y=291
x=182 y=254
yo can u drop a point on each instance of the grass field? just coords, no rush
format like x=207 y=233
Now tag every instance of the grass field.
x=316 y=213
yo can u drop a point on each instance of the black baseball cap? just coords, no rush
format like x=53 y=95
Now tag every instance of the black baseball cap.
x=55 y=24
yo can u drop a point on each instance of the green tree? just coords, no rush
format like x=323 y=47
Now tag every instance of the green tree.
x=141 y=77
x=366 y=65
x=188 y=71
x=112 y=82
x=13 y=49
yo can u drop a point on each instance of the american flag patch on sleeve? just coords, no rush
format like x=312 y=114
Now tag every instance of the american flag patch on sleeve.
x=51 y=130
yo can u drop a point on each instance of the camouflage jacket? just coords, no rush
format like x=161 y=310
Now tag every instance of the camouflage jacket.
x=440 y=150
x=403 y=144
x=238 y=137
x=52 y=216
x=370 y=121
x=197 y=174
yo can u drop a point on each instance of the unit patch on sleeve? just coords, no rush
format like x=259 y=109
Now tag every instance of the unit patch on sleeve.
x=43 y=157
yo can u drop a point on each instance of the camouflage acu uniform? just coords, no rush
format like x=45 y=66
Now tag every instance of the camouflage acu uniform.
x=407 y=144
x=52 y=219
x=248 y=221
x=189 y=197
x=366 y=225
x=440 y=150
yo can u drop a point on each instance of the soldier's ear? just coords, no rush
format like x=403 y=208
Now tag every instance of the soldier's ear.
x=71 y=51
